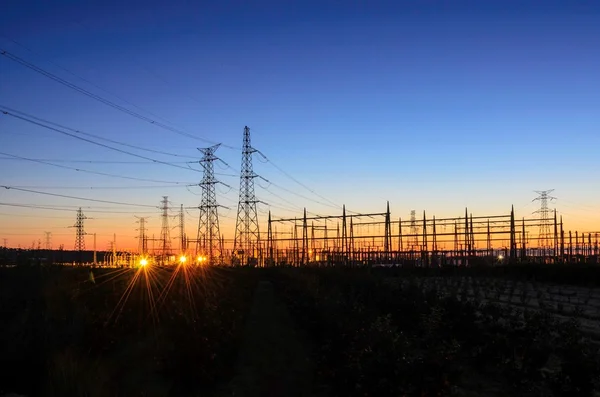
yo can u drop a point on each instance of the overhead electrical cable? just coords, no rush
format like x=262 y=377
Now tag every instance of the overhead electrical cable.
x=8 y=113
x=93 y=172
x=54 y=208
x=101 y=99
x=95 y=136
x=77 y=198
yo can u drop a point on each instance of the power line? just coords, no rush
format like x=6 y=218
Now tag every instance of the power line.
x=76 y=198
x=92 y=172
x=91 y=141
x=94 y=135
x=99 y=98
x=55 y=208
x=298 y=182
x=99 y=161
x=99 y=187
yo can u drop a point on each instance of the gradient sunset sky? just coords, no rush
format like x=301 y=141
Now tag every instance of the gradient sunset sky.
x=432 y=105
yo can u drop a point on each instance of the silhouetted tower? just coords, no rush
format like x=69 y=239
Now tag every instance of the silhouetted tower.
x=545 y=238
x=182 y=239
x=414 y=243
x=208 y=242
x=165 y=235
x=48 y=240
x=142 y=239
x=79 y=231
x=247 y=234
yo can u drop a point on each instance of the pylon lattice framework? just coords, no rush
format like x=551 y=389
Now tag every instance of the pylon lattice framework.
x=143 y=240
x=208 y=242
x=79 y=231
x=165 y=235
x=545 y=236
x=247 y=234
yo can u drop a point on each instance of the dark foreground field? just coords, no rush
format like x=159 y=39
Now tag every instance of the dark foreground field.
x=279 y=332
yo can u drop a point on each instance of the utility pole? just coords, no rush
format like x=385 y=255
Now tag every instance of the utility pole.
x=247 y=233
x=208 y=242
x=165 y=235
x=545 y=233
x=95 y=259
x=5 y=242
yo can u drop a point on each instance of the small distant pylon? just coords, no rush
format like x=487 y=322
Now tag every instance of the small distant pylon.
x=413 y=231
x=545 y=237
x=208 y=243
x=48 y=240
x=142 y=239
x=79 y=231
x=246 y=243
x=165 y=235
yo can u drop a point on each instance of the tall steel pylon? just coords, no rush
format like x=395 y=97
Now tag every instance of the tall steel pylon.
x=142 y=239
x=246 y=244
x=545 y=237
x=79 y=231
x=208 y=243
x=165 y=235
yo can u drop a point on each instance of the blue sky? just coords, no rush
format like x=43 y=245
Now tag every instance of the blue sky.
x=431 y=105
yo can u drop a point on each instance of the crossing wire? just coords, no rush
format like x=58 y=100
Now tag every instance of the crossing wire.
x=29 y=120
x=92 y=172
x=76 y=198
x=101 y=99
x=96 y=136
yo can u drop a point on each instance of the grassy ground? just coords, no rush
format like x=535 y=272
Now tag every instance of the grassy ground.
x=274 y=359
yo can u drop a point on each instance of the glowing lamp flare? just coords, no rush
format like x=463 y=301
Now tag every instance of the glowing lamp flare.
x=182 y=259
x=143 y=262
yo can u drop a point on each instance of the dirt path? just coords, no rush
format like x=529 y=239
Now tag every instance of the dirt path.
x=274 y=360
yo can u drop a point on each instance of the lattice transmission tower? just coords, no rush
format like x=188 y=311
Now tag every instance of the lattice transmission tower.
x=545 y=236
x=246 y=244
x=208 y=243
x=165 y=235
x=48 y=240
x=414 y=239
x=142 y=238
x=79 y=231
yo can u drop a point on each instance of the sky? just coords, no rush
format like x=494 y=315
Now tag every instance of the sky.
x=429 y=105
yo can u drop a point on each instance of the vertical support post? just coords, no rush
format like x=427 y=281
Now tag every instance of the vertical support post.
x=387 y=244
x=95 y=259
x=351 y=253
x=570 y=247
x=555 y=237
x=489 y=239
x=424 y=253
x=304 y=239
x=434 y=248
x=344 y=247
x=524 y=244
x=513 y=243
x=562 y=241
x=270 y=241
